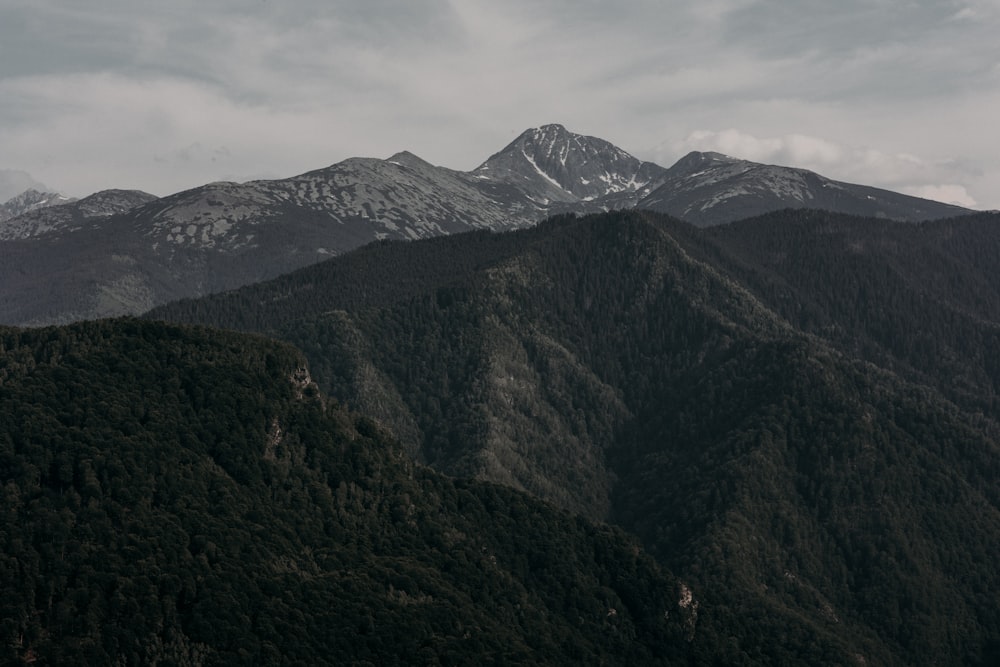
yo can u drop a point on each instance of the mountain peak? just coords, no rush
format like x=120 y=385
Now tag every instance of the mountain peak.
x=30 y=200
x=15 y=181
x=408 y=159
x=698 y=160
x=549 y=130
x=48 y=213
x=110 y=202
x=556 y=165
x=712 y=188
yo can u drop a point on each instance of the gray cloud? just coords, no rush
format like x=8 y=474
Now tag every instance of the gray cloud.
x=117 y=94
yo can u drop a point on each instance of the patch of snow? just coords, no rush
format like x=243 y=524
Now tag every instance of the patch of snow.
x=634 y=184
x=720 y=197
x=542 y=173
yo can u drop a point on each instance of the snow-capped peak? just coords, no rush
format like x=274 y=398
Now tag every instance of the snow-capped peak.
x=554 y=164
x=30 y=200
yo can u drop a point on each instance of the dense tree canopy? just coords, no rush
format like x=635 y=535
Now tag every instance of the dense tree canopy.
x=796 y=414
x=182 y=496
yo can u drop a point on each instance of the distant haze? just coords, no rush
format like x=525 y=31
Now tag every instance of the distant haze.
x=14 y=182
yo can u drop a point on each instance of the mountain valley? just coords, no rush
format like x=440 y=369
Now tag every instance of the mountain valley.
x=569 y=407
x=692 y=387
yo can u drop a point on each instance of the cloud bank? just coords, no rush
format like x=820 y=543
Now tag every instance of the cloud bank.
x=164 y=96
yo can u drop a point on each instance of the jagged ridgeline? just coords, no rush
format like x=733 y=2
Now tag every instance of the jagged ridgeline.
x=175 y=495
x=828 y=495
x=122 y=252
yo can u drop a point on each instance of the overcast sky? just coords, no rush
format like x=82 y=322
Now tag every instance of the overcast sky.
x=162 y=96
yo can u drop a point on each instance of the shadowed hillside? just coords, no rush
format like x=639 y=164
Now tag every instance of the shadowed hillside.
x=825 y=491
x=183 y=496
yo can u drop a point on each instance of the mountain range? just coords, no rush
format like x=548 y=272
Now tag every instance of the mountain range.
x=611 y=436
x=121 y=252
x=27 y=202
x=710 y=188
x=797 y=414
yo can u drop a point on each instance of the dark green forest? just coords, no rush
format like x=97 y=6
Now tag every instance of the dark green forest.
x=920 y=300
x=796 y=415
x=182 y=496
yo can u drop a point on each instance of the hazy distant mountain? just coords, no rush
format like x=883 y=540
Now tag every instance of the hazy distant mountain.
x=29 y=200
x=54 y=213
x=224 y=235
x=15 y=181
x=710 y=189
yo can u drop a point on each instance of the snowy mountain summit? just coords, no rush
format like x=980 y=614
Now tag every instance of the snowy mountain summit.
x=554 y=166
x=30 y=200
x=122 y=252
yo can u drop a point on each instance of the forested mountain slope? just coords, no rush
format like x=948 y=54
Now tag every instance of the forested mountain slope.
x=183 y=496
x=923 y=301
x=825 y=507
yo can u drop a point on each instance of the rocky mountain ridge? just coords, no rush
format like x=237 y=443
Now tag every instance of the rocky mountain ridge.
x=57 y=214
x=122 y=253
x=708 y=189
x=28 y=201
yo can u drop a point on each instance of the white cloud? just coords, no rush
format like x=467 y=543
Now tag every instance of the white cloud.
x=792 y=149
x=948 y=193
x=168 y=134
